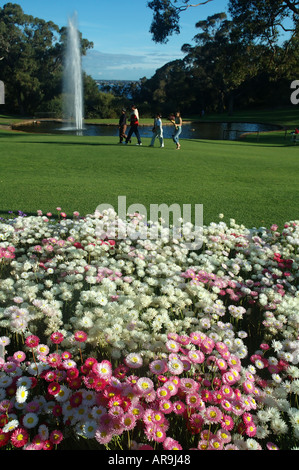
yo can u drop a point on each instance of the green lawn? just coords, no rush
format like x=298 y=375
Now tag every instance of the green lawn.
x=254 y=182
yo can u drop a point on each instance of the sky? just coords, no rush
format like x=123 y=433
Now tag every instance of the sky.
x=123 y=46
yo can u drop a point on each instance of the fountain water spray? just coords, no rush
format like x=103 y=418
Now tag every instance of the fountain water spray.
x=72 y=80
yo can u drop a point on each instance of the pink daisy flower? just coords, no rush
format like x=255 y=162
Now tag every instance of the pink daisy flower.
x=163 y=393
x=166 y=406
x=103 y=436
x=176 y=366
x=195 y=338
x=38 y=442
x=247 y=418
x=215 y=444
x=171 y=387
x=172 y=336
x=196 y=421
x=203 y=444
x=32 y=341
x=234 y=362
x=103 y=369
x=148 y=417
x=134 y=360
x=184 y=340
x=53 y=388
x=221 y=364
x=56 y=436
x=158 y=366
x=213 y=414
x=227 y=391
x=128 y=421
x=172 y=346
x=272 y=446
x=217 y=396
x=224 y=435
x=116 y=411
x=188 y=385
x=226 y=405
x=221 y=347
x=196 y=357
x=179 y=407
x=137 y=410
x=194 y=400
x=69 y=364
x=248 y=386
x=250 y=430
x=80 y=336
x=19 y=356
x=56 y=337
x=144 y=385
x=54 y=360
x=229 y=378
x=171 y=444
x=158 y=417
x=19 y=437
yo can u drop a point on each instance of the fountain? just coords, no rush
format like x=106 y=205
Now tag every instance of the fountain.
x=72 y=78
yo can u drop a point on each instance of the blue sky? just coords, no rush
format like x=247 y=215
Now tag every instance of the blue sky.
x=123 y=48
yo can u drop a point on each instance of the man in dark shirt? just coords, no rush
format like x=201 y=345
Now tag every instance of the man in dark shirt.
x=134 y=126
x=122 y=125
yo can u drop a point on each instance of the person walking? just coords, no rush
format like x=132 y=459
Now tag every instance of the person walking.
x=157 y=131
x=122 y=126
x=134 y=126
x=177 y=122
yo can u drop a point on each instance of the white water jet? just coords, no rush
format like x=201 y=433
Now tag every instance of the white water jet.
x=72 y=78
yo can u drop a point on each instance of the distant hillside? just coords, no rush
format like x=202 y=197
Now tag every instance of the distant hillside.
x=112 y=83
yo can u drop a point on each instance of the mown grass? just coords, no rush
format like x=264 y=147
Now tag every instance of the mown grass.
x=254 y=182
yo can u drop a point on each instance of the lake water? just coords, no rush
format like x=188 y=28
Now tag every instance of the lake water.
x=194 y=130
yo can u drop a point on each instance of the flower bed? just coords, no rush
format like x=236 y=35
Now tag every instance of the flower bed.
x=142 y=344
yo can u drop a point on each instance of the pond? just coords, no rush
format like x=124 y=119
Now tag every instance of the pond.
x=191 y=130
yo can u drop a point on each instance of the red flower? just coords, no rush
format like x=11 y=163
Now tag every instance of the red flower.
x=76 y=399
x=3 y=420
x=32 y=341
x=78 y=245
x=75 y=383
x=48 y=445
x=57 y=410
x=53 y=388
x=89 y=362
x=80 y=336
x=56 y=437
x=72 y=373
x=54 y=360
x=19 y=437
x=4 y=438
x=57 y=337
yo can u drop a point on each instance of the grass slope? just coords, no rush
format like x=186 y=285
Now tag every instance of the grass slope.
x=252 y=182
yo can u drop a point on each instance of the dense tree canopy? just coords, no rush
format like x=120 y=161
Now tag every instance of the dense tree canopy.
x=262 y=19
x=237 y=61
x=31 y=53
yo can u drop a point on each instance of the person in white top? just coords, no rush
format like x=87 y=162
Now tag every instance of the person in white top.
x=157 y=131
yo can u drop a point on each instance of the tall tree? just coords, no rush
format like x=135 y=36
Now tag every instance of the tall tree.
x=166 y=17
x=263 y=19
x=31 y=50
x=218 y=62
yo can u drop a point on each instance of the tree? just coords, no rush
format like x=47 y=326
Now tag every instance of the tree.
x=168 y=90
x=218 y=63
x=262 y=19
x=265 y=20
x=32 y=51
x=166 y=17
